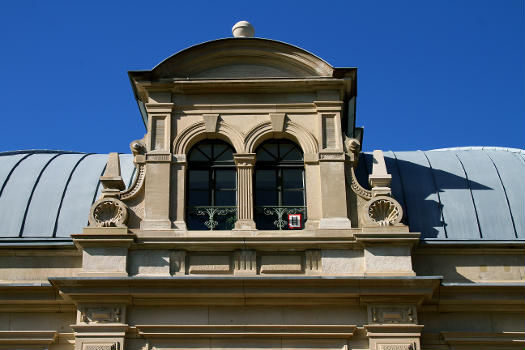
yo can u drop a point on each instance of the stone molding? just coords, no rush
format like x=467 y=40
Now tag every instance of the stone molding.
x=15 y=339
x=246 y=331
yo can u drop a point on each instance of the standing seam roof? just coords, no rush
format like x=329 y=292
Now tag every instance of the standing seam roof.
x=47 y=194
x=458 y=194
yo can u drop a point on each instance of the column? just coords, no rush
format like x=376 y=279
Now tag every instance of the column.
x=244 y=163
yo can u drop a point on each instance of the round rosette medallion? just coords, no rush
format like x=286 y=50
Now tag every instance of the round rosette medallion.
x=108 y=212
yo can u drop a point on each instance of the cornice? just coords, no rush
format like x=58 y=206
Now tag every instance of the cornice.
x=246 y=331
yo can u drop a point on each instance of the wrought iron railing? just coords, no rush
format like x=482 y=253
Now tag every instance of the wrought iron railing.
x=277 y=217
x=211 y=217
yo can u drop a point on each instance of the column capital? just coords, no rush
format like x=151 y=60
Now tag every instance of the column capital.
x=244 y=159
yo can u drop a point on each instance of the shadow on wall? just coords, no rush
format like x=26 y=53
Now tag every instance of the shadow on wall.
x=419 y=188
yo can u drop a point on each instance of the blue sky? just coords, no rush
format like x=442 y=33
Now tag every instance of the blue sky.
x=430 y=73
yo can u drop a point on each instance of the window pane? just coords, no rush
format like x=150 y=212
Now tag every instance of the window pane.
x=198 y=198
x=266 y=197
x=224 y=155
x=225 y=179
x=267 y=153
x=292 y=154
x=197 y=156
x=225 y=198
x=293 y=178
x=293 y=198
x=206 y=149
x=265 y=179
x=218 y=148
x=198 y=179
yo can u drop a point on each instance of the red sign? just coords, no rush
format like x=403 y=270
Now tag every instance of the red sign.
x=294 y=221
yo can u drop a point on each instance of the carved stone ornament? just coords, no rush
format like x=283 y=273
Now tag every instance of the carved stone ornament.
x=108 y=212
x=388 y=314
x=113 y=346
x=383 y=211
x=101 y=314
x=397 y=346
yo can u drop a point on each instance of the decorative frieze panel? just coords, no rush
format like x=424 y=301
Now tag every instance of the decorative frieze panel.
x=163 y=157
x=397 y=346
x=210 y=264
x=389 y=314
x=331 y=156
x=101 y=314
x=113 y=346
x=281 y=264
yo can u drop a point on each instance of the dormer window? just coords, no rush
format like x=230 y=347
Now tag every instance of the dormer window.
x=279 y=186
x=212 y=187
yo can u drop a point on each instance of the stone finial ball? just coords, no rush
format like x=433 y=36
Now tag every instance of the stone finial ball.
x=243 y=29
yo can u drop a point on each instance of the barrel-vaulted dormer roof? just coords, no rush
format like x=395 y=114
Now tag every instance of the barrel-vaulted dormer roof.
x=242 y=64
x=241 y=58
x=449 y=195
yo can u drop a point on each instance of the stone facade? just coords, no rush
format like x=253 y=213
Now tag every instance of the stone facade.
x=353 y=276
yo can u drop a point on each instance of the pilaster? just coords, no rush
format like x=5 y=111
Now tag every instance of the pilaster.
x=331 y=166
x=100 y=326
x=158 y=166
x=393 y=327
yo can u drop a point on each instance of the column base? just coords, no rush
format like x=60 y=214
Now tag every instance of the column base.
x=155 y=225
x=335 y=223
x=244 y=225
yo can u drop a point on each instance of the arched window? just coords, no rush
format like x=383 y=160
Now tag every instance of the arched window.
x=279 y=186
x=212 y=187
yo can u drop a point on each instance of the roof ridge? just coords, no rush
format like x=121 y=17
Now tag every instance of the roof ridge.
x=32 y=151
x=481 y=148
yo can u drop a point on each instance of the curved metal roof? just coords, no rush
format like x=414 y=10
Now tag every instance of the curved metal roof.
x=460 y=194
x=47 y=194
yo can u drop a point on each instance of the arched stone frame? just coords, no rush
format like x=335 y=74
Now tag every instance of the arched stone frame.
x=197 y=132
x=310 y=147
x=181 y=146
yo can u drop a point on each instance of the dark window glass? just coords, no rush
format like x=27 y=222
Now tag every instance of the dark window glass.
x=225 y=179
x=266 y=197
x=212 y=183
x=225 y=198
x=292 y=178
x=197 y=197
x=266 y=179
x=198 y=179
x=279 y=184
x=293 y=198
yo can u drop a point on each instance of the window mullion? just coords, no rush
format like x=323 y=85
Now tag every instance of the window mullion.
x=212 y=186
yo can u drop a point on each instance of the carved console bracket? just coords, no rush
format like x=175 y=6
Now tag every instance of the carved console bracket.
x=379 y=209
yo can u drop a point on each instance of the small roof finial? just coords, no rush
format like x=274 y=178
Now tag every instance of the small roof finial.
x=243 y=29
